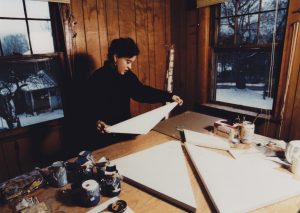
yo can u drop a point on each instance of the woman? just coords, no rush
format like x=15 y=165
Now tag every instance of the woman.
x=111 y=87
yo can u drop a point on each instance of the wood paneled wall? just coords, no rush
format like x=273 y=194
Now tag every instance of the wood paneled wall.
x=97 y=22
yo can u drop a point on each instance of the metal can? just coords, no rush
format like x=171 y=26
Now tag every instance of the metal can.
x=59 y=174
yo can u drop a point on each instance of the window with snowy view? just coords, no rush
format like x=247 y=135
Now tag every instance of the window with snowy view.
x=31 y=66
x=247 y=51
x=25 y=28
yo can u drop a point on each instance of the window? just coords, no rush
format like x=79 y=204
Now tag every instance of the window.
x=248 y=41
x=31 y=66
x=25 y=28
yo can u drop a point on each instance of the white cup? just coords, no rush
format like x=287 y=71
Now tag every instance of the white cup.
x=292 y=149
x=247 y=132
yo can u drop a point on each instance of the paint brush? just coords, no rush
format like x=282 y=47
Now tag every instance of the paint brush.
x=256 y=117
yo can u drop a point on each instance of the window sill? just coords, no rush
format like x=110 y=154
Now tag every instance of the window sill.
x=230 y=113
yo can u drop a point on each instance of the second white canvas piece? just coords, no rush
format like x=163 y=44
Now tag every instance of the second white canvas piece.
x=162 y=171
x=241 y=185
x=143 y=123
x=205 y=140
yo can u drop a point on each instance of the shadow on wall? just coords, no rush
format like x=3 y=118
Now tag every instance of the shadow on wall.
x=75 y=93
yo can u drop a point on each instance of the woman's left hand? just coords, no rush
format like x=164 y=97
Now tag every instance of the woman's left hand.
x=177 y=99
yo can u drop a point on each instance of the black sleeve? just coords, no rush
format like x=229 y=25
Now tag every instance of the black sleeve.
x=146 y=94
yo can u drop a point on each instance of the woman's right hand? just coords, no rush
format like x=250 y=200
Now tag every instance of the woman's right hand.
x=101 y=126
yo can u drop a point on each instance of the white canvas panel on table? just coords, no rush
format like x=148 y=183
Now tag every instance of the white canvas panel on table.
x=162 y=171
x=241 y=185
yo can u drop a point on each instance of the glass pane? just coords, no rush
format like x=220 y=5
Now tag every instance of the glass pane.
x=37 y=9
x=242 y=78
x=228 y=8
x=247 y=29
x=11 y=8
x=281 y=23
x=41 y=37
x=267 y=26
x=271 y=4
x=14 y=38
x=35 y=87
x=246 y=6
x=226 y=31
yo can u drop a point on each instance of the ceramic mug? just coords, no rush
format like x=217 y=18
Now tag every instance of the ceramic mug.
x=292 y=149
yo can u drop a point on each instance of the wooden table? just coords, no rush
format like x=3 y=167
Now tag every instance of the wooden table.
x=138 y=200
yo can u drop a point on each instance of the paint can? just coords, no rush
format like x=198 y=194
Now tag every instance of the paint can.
x=58 y=174
x=90 y=193
x=111 y=181
x=247 y=132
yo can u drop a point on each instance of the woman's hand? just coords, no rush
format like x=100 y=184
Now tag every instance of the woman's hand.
x=177 y=99
x=101 y=126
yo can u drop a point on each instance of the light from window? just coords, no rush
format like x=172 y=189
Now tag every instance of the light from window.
x=25 y=28
x=245 y=72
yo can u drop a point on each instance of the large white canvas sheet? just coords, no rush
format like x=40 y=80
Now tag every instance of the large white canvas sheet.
x=205 y=140
x=162 y=171
x=241 y=185
x=143 y=123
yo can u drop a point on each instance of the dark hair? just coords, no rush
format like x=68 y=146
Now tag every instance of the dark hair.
x=122 y=47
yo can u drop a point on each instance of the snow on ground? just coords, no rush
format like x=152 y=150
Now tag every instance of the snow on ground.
x=245 y=97
x=27 y=119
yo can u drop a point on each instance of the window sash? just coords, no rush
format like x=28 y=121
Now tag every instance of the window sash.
x=27 y=20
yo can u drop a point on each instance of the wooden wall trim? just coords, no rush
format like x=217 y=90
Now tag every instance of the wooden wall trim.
x=286 y=130
x=203 y=58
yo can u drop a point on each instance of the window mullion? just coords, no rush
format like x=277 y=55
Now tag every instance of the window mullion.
x=1 y=51
x=27 y=26
x=235 y=24
x=258 y=21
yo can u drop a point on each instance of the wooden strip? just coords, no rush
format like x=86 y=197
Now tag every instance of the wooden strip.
x=127 y=19
x=205 y=3
x=11 y=157
x=79 y=43
x=92 y=36
x=151 y=45
x=180 y=39
x=101 y=12
x=167 y=19
x=159 y=45
x=203 y=56
x=191 y=65
x=26 y=154
x=142 y=40
x=128 y=29
x=79 y=26
x=3 y=165
x=112 y=19
x=160 y=49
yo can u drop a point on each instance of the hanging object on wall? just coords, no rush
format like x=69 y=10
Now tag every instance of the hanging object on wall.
x=205 y=3
x=58 y=1
x=169 y=73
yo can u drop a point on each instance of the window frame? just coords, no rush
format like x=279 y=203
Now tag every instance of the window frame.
x=52 y=19
x=59 y=53
x=215 y=48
